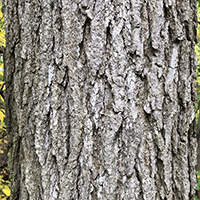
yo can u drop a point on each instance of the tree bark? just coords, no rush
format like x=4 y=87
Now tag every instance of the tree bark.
x=100 y=99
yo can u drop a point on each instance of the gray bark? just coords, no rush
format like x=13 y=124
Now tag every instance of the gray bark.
x=100 y=99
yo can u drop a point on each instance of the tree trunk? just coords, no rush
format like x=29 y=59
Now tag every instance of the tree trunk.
x=100 y=99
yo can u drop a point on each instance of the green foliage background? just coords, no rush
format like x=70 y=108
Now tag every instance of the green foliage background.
x=197 y=49
x=4 y=170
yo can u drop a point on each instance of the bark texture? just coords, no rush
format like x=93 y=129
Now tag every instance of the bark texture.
x=100 y=99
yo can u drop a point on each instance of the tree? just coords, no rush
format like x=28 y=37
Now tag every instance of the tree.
x=100 y=99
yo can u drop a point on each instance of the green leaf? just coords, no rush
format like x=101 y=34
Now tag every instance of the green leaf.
x=6 y=190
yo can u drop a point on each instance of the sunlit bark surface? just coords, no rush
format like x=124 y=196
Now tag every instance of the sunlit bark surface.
x=100 y=99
